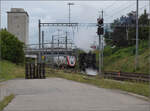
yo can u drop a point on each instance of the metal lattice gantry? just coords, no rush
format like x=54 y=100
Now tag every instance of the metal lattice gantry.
x=41 y=37
x=54 y=24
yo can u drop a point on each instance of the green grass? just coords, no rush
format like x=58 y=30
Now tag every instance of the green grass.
x=6 y=101
x=137 y=88
x=10 y=70
x=123 y=59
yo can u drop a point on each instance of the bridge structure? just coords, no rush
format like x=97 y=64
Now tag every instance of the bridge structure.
x=41 y=50
x=49 y=51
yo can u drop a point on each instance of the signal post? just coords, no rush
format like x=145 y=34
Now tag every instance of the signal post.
x=100 y=32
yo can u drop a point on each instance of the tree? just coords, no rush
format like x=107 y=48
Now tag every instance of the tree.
x=119 y=37
x=118 y=34
x=11 y=47
x=143 y=29
x=123 y=35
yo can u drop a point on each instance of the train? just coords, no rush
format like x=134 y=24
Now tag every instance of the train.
x=84 y=61
x=64 y=61
x=87 y=60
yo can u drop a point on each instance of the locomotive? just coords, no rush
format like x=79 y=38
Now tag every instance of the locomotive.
x=87 y=60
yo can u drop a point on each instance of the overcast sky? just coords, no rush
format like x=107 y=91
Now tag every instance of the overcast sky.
x=82 y=11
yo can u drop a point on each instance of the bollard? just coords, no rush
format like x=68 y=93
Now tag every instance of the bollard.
x=43 y=68
x=30 y=75
x=119 y=73
x=37 y=72
x=40 y=71
x=27 y=71
x=34 y=71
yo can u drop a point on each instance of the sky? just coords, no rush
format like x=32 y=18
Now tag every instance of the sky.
x=81 y=12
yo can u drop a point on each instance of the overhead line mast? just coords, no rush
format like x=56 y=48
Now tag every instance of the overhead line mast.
x=69 y=4
x=137 y=34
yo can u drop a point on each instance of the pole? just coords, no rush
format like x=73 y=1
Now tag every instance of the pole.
x=52 y=42
x=149 y=41
x=58 y=38
x=52 y=50
x=66 y=41
x=137 y=31
x=42 y=45
x=69 y=4
x=102 y=14
x=100 y=55
x=69 y=13
x=102 y=51
x=102 y=45
x=39 y=34
x=39 y=41
x=42 y=39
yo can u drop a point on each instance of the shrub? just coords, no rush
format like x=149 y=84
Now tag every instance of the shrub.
x=11 y=47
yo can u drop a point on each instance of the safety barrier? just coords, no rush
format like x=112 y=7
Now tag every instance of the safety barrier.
x=35 y=71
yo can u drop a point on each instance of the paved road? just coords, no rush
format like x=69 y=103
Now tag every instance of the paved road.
x=55 y=94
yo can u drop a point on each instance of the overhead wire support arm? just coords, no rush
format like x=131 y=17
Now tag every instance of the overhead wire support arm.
x=58 y=24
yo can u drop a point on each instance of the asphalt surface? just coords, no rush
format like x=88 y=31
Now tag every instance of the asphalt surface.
x=55 y=94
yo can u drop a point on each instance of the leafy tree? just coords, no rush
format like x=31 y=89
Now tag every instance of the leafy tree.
x=119 y=35
x=107 y=37
x=11 y=47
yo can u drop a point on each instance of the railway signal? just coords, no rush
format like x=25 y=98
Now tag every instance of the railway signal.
x=100 y=32
x=100 y=29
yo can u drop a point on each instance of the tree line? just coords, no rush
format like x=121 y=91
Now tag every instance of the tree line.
x=122 y=31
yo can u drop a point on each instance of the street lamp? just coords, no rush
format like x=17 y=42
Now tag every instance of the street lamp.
x=69 y=4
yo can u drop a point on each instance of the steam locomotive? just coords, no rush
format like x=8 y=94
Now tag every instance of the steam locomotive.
x=87 y=60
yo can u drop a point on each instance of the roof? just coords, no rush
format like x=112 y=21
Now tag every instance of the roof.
x=18 y=10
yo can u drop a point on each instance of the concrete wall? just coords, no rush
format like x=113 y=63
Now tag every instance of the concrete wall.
x=18 y=24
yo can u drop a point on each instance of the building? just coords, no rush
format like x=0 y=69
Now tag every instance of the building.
x=18 y=24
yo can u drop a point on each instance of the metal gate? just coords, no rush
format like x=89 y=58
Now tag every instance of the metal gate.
x=35 y=71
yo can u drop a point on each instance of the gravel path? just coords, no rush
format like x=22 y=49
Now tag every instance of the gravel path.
x=55 y=94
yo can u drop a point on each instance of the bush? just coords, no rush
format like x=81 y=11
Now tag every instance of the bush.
x=11 y=47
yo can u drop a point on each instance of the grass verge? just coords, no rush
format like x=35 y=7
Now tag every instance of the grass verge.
x=10 y=70
x=6 y=101
x=123 y=58
x=133 y=87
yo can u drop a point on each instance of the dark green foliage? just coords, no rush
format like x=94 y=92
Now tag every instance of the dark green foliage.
x=143 y=29
x=122 y=36
x=119 y=37
x=11 y=47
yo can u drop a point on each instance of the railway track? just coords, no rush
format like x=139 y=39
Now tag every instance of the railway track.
x=121 y=76
x=136 y=77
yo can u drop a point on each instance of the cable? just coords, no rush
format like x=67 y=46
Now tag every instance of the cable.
x=121 y=10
